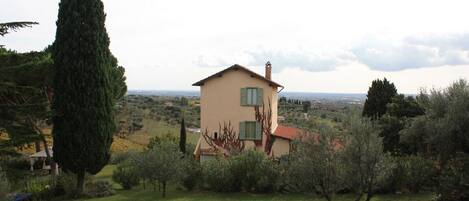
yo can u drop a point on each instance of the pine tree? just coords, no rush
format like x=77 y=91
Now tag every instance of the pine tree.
x=379 y=95
x=83 y=94
x=182 y=137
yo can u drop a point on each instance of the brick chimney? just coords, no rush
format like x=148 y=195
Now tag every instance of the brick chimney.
x=268 y=70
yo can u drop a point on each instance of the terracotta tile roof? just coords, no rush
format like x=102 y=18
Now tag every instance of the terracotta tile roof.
x=287 y=132
x=336 y=143
x=237 y=67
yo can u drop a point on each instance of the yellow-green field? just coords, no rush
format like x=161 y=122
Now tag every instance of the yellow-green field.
x=151 y=128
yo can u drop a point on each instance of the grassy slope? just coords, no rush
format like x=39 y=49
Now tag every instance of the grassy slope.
x=151 y=128
x=173 y=194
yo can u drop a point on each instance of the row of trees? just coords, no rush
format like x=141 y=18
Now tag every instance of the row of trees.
x=161 y=163
x=432 y=125
x=334 y=161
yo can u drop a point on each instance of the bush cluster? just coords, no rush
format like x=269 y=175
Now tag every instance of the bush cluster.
x=99 y=189
x=126 y=175
x=192 y=170
x=249 y=171
x=454 y=180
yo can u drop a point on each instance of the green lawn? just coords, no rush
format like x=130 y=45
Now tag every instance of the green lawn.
x=140 y=194
x=174 y=194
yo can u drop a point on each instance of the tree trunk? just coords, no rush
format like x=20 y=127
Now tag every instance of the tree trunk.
x=369 y=196
x=49 y=157
x=359 y=197
x=80 y=183
x=164 y=189
x=37 y=145
x=369 y=193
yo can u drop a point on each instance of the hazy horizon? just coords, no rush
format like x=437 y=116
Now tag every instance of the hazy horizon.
x=314 y=46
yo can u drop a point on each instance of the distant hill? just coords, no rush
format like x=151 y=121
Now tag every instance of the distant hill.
x=292 y=95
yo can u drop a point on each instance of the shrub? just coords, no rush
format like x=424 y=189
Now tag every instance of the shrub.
x=16 y=169
x=21 y=163
x=454 y=180
x=99 y=189
x=218 y=177
x=257 y=172
x=40 y=188
x=268 y=178
x=250 y=171
x=418 y=172
x=66 y=184
x=393 y=180
x=192 y=173
x=126 y=175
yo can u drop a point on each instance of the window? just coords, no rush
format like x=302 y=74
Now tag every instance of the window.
x=250 y=130
x=251 y=96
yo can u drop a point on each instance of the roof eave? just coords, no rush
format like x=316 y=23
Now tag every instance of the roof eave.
x=236 y=67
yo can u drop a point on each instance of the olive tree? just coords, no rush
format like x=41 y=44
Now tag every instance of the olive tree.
x=317 y=165
x=163 y=163
x=366 y=164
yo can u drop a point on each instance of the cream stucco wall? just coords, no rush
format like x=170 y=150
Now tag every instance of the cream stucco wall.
x=220 y=102
x=280 y=147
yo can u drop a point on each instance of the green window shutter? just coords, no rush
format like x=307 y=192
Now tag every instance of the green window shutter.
x=244 y=96
x=242 y=130
x=258 y=131
x=260 y=96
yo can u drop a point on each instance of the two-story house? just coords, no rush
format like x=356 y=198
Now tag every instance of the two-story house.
x=231 y=96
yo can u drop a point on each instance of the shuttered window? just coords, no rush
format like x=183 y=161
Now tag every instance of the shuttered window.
x=252 y=96
x=250 y=130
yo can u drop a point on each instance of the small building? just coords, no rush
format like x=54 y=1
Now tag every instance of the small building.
x=234 y=96
x=42 y=156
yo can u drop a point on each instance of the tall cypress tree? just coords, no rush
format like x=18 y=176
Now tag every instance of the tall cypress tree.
x=379 y=95
x=182 y=137
x=83 y=98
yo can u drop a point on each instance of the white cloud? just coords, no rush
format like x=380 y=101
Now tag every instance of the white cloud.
x=388 y=54
x=316 y=38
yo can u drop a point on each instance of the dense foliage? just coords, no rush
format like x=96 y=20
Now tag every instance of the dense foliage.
x=316 y=164
x=258 y=173
x=83 y=89
x=398 y=114
x=192 y=172
x=442 y=134
x=161 y=164
x=126 y=175
x=25 y=80
x=454 y=180
x=379 y=95
x=218 y=177
x=366 y=164
x=418 y=173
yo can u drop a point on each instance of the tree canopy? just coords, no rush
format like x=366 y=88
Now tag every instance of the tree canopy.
x=84 y=92
x=25 y=80
x=379 y=95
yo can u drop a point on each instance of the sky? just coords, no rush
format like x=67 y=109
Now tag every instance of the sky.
x=313 y=45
